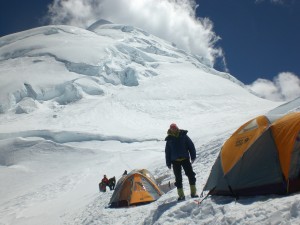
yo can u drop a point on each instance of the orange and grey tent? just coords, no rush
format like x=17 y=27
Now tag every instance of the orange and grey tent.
x=261 y=157
x=136 y=188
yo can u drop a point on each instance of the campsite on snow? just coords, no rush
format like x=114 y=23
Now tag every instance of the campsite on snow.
x=77 y=104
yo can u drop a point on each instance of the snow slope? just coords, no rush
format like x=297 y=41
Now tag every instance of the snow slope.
x=77 y=104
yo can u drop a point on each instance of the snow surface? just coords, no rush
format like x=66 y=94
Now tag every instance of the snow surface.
x=76 y=104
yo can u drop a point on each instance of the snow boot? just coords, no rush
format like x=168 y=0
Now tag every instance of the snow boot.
x=194 y=191
x=180 y=194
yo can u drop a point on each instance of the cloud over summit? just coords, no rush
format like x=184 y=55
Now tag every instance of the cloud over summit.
x=284 y=87
x=172 y=20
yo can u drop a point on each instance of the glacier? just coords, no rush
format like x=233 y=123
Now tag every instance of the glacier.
x=76 y=104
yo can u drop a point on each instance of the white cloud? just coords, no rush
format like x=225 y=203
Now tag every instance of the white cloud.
x=284 y=87
x=172 y=20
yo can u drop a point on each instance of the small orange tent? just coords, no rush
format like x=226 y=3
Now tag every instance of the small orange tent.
x=135 y=188
x=261 y=157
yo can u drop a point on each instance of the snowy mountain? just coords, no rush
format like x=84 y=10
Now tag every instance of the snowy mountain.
x=77 y=104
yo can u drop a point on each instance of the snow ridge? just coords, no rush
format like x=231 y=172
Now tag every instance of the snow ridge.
x=71 y=136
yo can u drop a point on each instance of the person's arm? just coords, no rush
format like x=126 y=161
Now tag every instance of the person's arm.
x=168 y=156
x=191 y=148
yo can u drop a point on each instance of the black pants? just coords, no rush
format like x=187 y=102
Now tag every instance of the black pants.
x=188 y=169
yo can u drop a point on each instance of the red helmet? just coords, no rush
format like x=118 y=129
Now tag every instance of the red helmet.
x=173 y=126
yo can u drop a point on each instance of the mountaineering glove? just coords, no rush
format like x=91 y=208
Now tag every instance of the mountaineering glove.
x=192 y=161
x=169 y=167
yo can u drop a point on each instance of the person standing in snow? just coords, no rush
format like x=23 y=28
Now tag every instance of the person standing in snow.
x=180 y=153
x=105 y=180
x=102 y=185
x=112 y=183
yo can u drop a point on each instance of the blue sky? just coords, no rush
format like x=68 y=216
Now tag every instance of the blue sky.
x=258 y=38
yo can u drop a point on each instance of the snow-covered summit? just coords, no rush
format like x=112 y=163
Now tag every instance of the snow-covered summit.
x=53 y=66
x=98 y=23
x=82 y=61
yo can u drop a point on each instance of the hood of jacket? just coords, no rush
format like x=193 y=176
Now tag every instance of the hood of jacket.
x=174 y=135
